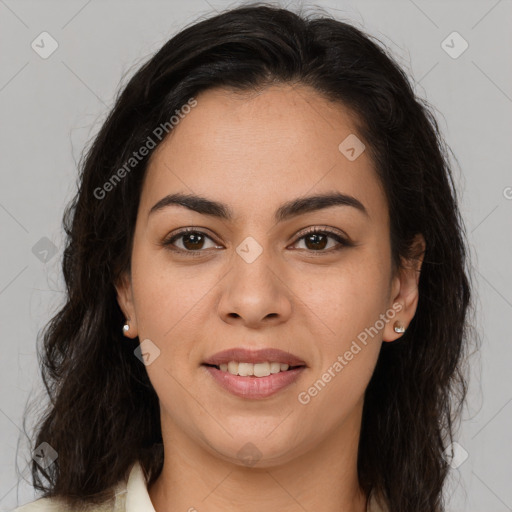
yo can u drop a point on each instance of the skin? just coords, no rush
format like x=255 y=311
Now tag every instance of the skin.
x=253 y=153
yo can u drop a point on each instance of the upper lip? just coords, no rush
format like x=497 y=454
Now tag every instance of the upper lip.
x=244 y=355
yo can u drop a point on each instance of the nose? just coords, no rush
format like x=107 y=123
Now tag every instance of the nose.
x=255 y=294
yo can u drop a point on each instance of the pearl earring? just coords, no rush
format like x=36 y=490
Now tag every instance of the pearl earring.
x=126 y=327
x=398 y=327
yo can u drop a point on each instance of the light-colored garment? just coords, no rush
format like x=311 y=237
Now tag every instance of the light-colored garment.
x=373 y=506
x=130 y=496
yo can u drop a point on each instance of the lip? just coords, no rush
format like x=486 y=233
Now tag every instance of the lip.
x=244 y=355
x=254 y=387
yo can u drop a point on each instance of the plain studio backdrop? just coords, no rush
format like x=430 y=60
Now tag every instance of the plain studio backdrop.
x=54 y=96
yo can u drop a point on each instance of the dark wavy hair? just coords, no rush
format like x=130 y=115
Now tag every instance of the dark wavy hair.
x=103 y=413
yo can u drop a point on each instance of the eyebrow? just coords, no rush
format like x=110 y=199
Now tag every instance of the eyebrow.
x=286 y=211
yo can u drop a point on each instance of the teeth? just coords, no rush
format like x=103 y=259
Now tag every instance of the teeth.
x=258 y=369
x=275 y=367
x=261 y=370
x=245 y=369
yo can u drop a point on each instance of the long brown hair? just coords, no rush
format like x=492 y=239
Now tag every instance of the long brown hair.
x=103 y=413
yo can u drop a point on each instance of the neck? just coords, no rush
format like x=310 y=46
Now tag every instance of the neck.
x=323 y=478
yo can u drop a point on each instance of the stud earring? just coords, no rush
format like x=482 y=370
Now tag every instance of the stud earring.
x=398 y=327
x=126 y=327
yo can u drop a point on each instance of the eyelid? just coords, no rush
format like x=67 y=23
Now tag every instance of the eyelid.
x=169 y=239
x=342 y=238
x=323 y=229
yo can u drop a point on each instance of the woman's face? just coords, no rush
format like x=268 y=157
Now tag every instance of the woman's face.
x=255 y=279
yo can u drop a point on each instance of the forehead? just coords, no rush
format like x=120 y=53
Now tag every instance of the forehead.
x=274 y=144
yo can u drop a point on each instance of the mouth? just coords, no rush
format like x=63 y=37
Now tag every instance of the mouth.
x=245 y=357
x=254 y=374
x=258 y=370
x=251 y=387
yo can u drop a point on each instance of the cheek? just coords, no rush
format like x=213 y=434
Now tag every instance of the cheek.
x=348 y=298
x=351 y=305
x=168 y=303
x=167 y=296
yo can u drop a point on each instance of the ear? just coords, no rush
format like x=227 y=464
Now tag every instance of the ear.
x=125 y=301
x=404 y=289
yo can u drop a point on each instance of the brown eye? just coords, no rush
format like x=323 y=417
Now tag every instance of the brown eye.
x=317 y=240
x=191 y=241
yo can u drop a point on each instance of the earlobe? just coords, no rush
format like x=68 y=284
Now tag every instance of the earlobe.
x=405 y=291
x=125 y=301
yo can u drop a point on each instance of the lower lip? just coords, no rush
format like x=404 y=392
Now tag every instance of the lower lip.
x=254 y=387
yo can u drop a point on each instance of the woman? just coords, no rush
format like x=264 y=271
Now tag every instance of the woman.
x=267 y=286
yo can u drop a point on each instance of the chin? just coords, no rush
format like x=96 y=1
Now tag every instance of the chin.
x=255 y=451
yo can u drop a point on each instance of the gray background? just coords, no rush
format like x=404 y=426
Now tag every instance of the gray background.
x=51 y=107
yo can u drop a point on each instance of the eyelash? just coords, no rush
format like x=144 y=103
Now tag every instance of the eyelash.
x=168 y=242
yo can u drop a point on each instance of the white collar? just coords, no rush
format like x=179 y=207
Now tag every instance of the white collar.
x=133 y=496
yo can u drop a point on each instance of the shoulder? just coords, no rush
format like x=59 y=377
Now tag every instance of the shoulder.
x=129 y=495
x=376 y=503
x=42 y=505
x=59 y=505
